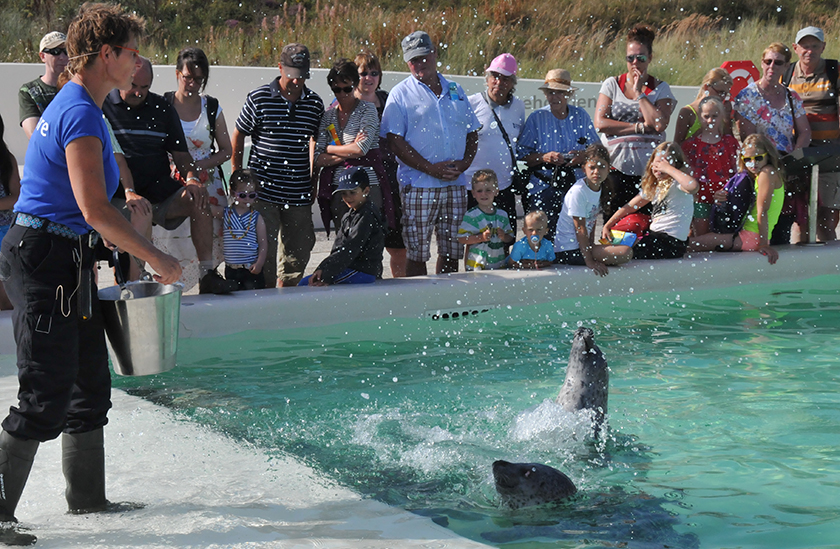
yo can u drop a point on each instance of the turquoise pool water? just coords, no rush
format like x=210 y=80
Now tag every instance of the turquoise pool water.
x=724 y=414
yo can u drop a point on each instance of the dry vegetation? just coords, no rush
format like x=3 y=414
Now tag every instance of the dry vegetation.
x=586 y=37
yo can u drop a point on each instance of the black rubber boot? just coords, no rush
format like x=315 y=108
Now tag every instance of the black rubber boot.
x=16 y=456
x=83 y=462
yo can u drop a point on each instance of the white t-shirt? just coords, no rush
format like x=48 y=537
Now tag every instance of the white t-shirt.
x=493 y=152
x=672 y=215
x=580 y=201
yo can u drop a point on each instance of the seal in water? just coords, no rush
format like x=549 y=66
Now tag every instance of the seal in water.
x=526 y=484
x=587 y=382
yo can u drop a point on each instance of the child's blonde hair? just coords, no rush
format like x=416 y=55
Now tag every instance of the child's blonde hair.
x=537 y=216
x=762 y=142
x=651 y=187
x=484 y=176
x=714 y=76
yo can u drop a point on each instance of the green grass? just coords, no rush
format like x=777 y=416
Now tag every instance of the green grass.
x=585 y=37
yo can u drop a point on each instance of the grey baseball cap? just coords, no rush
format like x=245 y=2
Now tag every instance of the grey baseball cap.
x=295 y=56
x=816 y=32
x=416 y=44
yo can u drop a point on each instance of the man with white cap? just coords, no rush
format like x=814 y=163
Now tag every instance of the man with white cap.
x=433 y=131
x=281 y=118
x=34 y=96
x=815 y=80
x=502 y=116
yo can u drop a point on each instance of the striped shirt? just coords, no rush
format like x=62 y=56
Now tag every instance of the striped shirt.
x=240 y=237
x=280 y=132
x=490 y=254
x=364 y=117
x=819 y=100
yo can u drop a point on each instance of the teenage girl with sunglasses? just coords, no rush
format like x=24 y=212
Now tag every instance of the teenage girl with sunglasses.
x=761 y=160
x=244 y=233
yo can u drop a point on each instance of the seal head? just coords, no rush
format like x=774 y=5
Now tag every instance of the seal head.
x=527 y=484
x=587 y=383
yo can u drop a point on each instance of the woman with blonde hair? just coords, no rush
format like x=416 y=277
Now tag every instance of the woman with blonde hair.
x=716 y=83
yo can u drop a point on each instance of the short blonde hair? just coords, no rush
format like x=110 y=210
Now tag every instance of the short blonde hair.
x=484 y=176
x=777 y=47
x=537 y=216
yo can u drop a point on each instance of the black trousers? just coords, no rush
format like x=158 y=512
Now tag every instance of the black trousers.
x=65 y=383
x=245 y=278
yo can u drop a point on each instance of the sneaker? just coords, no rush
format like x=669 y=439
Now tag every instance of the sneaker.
x=213 y=283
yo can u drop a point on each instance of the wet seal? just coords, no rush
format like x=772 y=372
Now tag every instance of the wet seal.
x=587 y=383
x=528 y=484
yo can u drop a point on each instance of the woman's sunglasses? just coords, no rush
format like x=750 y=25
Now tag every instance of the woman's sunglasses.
x=246 y=196
x=345 y=89
x=369 y=73
x=777 y=62
x=756 y=158
x=641 y=58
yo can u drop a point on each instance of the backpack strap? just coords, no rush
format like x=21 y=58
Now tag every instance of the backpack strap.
x=170 y=97
x=831 y=71
x=212 y=113
x=789 y=74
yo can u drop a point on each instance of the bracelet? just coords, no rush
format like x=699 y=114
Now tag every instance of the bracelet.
x=130 y=191
x=193 y=178
x=640 y=127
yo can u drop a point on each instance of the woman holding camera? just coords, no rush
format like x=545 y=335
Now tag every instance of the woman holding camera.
x=551 y=144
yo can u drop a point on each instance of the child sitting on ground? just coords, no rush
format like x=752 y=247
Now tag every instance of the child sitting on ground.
x=533 y=251
x=712 y=155
x=671 y=190
x=356 y=256
x=574 y=240
x=485 y=229
x=244 y=233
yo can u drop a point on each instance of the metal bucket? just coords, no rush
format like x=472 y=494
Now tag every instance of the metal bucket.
x=142 y=326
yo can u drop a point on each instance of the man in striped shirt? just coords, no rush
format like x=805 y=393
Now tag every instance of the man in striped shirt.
x=282 y=118
x=815 y=80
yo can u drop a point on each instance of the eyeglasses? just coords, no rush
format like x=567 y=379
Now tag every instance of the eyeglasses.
x=345 y=89
x=641 y=58
x=756 y=158
x=777 y=62
x=369 y=73
x=55 y=51
x=135 y=52
x=245 y=196
x=723 y=94
x=190 y=78
x=499 y=76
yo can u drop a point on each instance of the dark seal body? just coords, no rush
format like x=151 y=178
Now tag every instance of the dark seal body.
x=587 y=377
x=526 y=484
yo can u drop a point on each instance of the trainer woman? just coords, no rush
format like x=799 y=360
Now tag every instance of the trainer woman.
x=70 y=176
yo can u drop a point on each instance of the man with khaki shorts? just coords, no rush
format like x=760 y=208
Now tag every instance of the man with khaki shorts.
x=815 y=80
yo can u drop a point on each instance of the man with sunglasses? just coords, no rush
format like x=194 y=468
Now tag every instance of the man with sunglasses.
x=34 y=96
x=815 y=80
x=282 y=119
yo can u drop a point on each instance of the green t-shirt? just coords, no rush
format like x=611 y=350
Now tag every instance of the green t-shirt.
x=34 y=97
x=485 y=255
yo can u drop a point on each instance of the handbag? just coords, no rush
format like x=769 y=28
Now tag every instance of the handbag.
x=728 y=217
x=519 y=178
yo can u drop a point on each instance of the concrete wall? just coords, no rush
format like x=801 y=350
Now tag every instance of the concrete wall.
x=231 y=84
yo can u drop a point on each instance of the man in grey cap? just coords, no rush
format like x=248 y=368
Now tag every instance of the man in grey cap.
x=34 y=96
x=432 y=129
x=282 y=118
x=815 y=80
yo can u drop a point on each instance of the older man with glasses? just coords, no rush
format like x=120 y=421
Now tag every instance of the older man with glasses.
x=34 y=96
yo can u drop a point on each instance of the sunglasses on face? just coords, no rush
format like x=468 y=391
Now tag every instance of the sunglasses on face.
x=369 y=73
x=55 y=51
x=345 y=89
x=777 y=62
x=245 y=196
x=756 y=158
x=641 y=58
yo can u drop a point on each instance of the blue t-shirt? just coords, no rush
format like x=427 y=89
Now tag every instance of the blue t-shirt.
x=45 y=189
x=522 y=250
